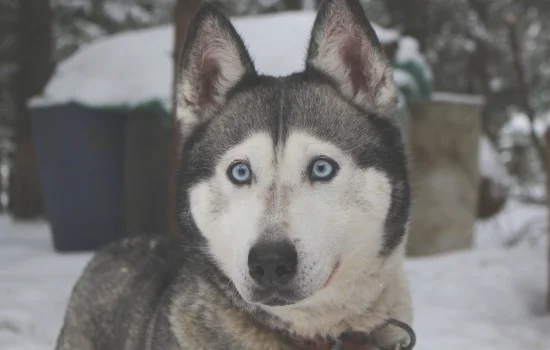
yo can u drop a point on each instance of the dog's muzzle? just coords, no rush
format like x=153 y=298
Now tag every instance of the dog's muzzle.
x=272 y=266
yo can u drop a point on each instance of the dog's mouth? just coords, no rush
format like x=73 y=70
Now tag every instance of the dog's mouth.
x=285 y=297
x=275 y=298
x=332 y=273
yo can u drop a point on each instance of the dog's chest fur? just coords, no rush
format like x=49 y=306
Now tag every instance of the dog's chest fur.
x=150 y=293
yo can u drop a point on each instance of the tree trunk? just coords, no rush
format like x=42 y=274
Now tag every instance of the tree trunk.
x=523 y=87
x=183 y=13
x=548 y=195
x=35 y=61
x=292 y=5
x=146 y=172
x=98 y=6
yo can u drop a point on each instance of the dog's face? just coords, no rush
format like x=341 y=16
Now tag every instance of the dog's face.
x=298 y=184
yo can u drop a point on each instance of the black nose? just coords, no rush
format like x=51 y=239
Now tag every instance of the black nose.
x=272 y=264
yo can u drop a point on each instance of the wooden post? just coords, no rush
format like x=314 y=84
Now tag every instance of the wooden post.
x=184 y=11
x=444 y=173
x=548 y=220
x=146 y=172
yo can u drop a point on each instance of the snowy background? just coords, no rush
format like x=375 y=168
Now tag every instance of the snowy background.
x=88 y=78
x=489 y=298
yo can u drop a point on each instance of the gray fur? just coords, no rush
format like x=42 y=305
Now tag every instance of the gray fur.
x=133 y=293
x=171 y=293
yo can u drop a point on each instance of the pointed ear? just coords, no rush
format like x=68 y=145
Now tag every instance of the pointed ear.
x=345 y=48
x=214 y=59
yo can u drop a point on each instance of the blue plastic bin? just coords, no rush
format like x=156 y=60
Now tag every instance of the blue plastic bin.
x=80 y=154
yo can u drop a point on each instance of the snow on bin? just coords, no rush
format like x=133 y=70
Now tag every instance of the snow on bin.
x=101 y=131
x=445 y=135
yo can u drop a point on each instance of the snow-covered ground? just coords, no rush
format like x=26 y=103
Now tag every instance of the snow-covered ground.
x=489 y=298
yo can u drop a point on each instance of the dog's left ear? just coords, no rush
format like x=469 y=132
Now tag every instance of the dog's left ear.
x=345 y=48
x=214 y=59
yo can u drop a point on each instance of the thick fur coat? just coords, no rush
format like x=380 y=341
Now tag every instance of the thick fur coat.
x=294 y=205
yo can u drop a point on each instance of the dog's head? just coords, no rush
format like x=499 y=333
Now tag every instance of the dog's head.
x=297 y=184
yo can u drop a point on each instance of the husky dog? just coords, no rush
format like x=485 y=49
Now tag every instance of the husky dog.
x=294 y=207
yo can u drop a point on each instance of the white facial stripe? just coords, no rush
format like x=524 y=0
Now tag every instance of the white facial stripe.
x=343 y=217
x=229 y=216
x=340 y=221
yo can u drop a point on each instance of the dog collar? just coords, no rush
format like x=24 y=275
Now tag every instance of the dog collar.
x=355 y=340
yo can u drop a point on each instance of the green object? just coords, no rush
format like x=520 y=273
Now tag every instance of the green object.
x=417 y=72
x=155 y=106
x=414 y=90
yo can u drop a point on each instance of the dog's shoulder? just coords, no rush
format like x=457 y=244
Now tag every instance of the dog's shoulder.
x=125 y=283
x=134 y=257
x=131 y=263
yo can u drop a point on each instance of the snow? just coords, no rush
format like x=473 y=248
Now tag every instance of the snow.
x=490 y=298
x=492 y=167
x=135 y=67
x=116 y=11
x=409 y=50
x=79 y=4
x=405 y=80
x=34 y=286
x=120 y=12
x=451 y=97
x=519 y=125
x=107 y=73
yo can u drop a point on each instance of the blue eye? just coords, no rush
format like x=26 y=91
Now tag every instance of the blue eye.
x=239 y=173
x=322 y=169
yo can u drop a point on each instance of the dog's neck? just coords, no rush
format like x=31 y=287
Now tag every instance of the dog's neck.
x=348 y=304
x=363 y=309
x=351 y=303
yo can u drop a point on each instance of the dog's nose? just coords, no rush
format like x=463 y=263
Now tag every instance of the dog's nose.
x=272 y=264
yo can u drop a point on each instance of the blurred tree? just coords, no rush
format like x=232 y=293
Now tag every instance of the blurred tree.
x=466 y=41
x=80 y=22
x=467 y=44
x=8 y=59
x=183 y=13
x=547 y=136
x=98 y=6
x=35 y=66
x=412 y=17
x=8 y=21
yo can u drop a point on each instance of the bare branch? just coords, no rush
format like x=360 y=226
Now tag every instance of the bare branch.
x=523 y=87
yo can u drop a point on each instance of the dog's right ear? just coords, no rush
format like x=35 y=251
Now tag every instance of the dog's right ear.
x=345 y=48
x=214 y=59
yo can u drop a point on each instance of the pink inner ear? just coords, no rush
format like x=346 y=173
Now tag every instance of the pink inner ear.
x=209 y=74
x=354 y=59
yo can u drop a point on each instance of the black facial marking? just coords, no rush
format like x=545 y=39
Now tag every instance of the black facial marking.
x=307 y=102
